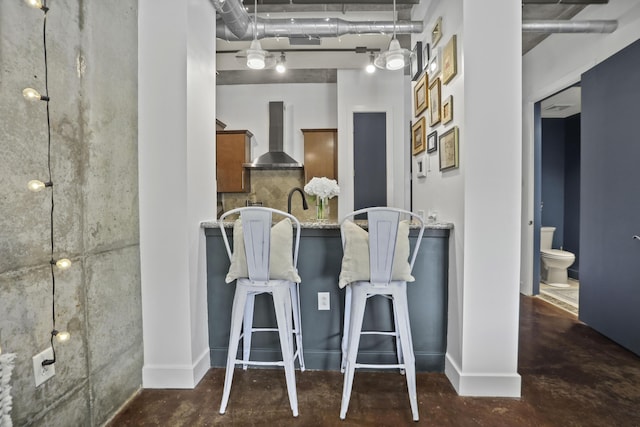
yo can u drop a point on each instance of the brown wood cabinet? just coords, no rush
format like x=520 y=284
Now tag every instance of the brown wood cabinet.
x=320 y=153
x=233 y=148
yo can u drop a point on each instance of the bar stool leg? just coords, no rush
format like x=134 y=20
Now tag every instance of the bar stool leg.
x=297 y=324
x=397 y=331
x=237 y=310
x=282 y=306
x=247 y=328
x=345 y=328
x=358 y=303
x=402 y=307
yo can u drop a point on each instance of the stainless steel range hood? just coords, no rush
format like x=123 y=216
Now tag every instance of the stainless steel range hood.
x=275 y=158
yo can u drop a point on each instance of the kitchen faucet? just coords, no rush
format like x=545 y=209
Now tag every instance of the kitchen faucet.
x=305 y=206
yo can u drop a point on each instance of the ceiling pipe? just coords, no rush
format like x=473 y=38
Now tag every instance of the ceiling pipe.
x=235 y=24
x=316 y=28
x=545 y=26
x=556 y=2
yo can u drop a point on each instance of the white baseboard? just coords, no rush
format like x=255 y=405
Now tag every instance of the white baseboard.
x=482 y=384
x=176 y=376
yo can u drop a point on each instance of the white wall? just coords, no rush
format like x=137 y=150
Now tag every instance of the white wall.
x=482 y=196
x=551 y=66
x=382 y=91
x=176 y=113
x=308 y=106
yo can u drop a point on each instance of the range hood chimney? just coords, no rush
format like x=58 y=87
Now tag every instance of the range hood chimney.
x=275 y=158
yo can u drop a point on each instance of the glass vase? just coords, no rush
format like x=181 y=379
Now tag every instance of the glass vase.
x=322 y=208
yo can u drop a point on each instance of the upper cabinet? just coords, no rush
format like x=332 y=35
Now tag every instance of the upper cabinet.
x=320 y=153
x=233 y=148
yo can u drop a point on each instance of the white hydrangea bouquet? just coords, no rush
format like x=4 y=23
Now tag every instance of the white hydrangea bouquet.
x=322 y=189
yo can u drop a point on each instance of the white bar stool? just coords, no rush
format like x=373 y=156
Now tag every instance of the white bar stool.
x=271 y=256
x=386 y=273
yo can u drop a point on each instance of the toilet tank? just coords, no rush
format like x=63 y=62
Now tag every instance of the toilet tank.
x=546 y=237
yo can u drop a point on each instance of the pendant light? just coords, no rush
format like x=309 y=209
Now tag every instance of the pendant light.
x=394 y=58
x=255 y=57
x=255 y=54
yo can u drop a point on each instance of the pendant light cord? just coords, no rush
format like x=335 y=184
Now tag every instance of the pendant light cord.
x=255 y=20
x=394 y=19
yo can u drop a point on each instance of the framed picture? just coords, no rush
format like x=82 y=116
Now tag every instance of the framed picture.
x=435 y=63
x=449 y=149
x=449 y=61
x=416 y=61
x=417 y=136
x=436 y=32
x=426 y=55
x=420 y=95
x=447 y=110
x=432 y=142
x=434 y=102
x=421 y=167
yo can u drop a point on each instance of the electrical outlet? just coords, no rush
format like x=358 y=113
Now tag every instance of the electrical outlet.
x=324 y=301
x=43 y=373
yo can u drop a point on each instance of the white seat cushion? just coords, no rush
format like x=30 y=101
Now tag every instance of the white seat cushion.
x=281 y=256
x=355 y=261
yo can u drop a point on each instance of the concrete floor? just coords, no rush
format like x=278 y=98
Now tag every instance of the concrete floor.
x=571 y=376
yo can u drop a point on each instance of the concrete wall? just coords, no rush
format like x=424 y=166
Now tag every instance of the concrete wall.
x=92 y=54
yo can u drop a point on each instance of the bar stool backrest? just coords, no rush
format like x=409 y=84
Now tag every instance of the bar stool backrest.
x=382 y=223
x=256 y=230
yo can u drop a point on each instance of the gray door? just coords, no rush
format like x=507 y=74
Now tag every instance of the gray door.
x=609 y=198
x=369 y=160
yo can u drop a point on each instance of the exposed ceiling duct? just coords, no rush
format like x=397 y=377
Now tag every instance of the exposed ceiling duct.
x=553 y=26
x=234 y=25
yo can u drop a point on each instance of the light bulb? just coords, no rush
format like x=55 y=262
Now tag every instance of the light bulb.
x=30 y=94
x=281 y=68
x=395 y=58
x=63 y=336
x=63 y=263
x=36 y=4
x=255 y=56
x=36 y=185
x=370 y=68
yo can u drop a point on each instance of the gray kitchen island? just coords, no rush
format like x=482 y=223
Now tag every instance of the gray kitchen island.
x=319 y=262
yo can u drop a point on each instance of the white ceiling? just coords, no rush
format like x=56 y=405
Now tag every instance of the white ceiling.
x=562 y=104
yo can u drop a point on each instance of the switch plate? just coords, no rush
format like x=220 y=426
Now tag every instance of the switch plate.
x=43 y=373
x=324 y=301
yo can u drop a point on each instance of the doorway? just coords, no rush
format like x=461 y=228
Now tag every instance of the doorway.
x=558 y=195
x=369 y=159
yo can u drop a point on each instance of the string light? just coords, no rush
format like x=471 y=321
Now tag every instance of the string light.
x=35 y=185
x=31 y=94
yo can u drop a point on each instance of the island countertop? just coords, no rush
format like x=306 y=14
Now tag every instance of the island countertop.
x=327 y=225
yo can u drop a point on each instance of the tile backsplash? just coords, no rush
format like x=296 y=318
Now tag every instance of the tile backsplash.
x=272 y=187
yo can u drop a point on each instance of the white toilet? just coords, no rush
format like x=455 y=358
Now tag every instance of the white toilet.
x=554 y=261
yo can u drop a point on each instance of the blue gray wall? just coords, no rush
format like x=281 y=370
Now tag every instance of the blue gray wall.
x=560 y=182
